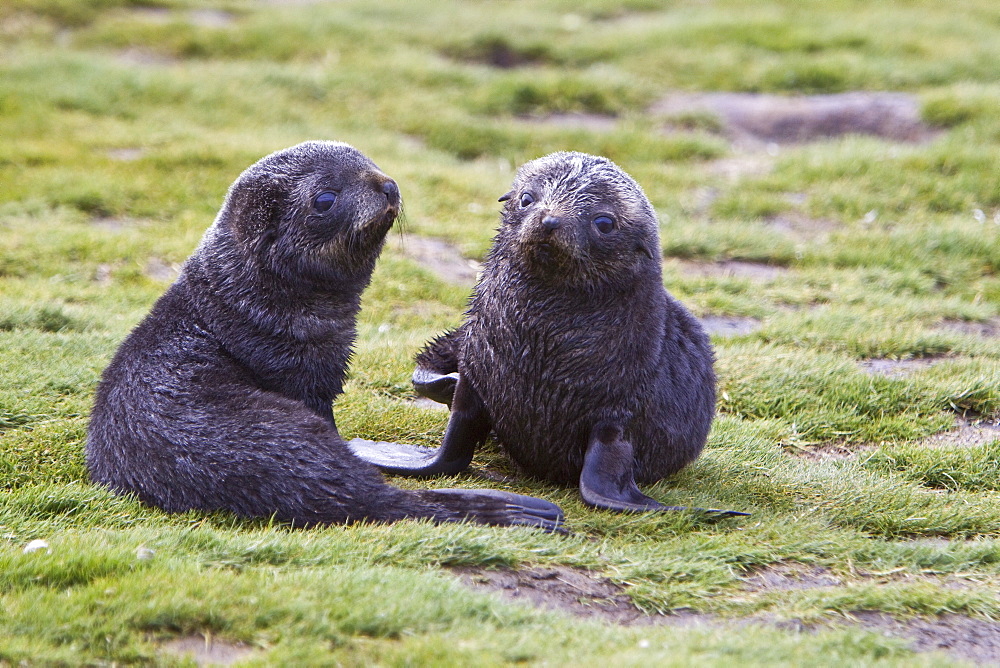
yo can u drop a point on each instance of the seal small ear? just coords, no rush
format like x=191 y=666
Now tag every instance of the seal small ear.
x=506 y=196
x=254 y=204
x=644 y=248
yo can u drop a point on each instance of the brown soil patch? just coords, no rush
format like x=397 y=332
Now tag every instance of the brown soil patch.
x=966 y=434
x=755 y=271
x=144 y=57
x=205 y=18
x=207 y=651
x=111 y=223
x=734 y=168
x=729 y=326
x=572 y=590
x=802 y=227
x=827 y=451
x=210 y=18
x=442 y=258
x=576 y=120
x=429 y=404
x=303 y=3
x=581 y=593
x=102 y=275
x=126 y=154
x=975 y=640
x=896 y=368
x=988 y=329
x=784 y=577
x=162 y=270
x=753 y=118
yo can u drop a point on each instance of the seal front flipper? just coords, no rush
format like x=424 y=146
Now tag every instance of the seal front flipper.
x=608 y=481
x=468 y=427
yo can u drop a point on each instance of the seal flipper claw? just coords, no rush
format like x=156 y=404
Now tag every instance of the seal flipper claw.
x=607 y=480
x=468 y=427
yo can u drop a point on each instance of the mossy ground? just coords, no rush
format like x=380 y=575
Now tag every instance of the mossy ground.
x=123 y=123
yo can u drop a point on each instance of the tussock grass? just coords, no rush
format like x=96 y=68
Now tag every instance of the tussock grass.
x=123 y=123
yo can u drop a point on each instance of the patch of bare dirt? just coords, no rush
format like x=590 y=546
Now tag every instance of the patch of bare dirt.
x=205 y=18
x=442 y=258
x=143 y=57
x=967 y=433
x=207 y=651
x=728 y=326
x=967 y=638
x=755 y=271
x=576 y=120
x=210 y=18
x=581 y=593
x=102 y=275
x=113 y=223
x=429 y=404
x=896 y=368
x=988 y=329
x=749 y=118
x=126 y=154
x=572 y=590
x=736 y=167
x=162 y=270
x=801 y=227
x=828 y=451
x=299 y=3
x=784 y=577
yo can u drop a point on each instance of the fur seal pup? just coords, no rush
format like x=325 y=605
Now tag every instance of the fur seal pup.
x=572 y=352
x=221 y=398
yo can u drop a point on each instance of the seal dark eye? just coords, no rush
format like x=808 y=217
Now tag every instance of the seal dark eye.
x=604 y=224
x=526 y=199
x=324 y=201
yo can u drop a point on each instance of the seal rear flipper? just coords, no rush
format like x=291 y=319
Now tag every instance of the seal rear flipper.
x=468 y=427
x=434 y=386
x=608 y=481
x=491 y=506
x=436 y=374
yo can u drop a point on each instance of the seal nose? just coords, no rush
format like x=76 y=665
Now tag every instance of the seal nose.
x=551 y=223
x=391 y=191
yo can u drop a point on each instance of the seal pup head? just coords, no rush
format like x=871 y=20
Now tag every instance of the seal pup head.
x=315 y=212
x=577 y=217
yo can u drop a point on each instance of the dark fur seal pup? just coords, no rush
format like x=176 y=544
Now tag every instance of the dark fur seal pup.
x=587 y=370
x=221 y=397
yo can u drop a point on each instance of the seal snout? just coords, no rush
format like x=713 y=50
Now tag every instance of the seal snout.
x=551 y=222
x=391 y=191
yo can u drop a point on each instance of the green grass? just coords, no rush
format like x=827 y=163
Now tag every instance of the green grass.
x=123 y=123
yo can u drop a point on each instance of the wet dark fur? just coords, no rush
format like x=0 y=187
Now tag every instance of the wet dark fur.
x=221 y=397
x=571 y=328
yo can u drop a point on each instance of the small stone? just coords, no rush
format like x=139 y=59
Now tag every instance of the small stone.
x=35 y=546
x=143 y=553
